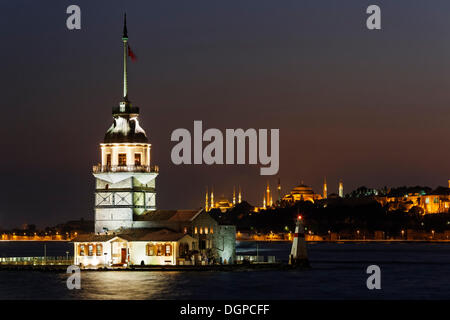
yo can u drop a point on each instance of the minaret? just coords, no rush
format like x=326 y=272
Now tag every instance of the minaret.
x=279 y=189
x=325 y=192
x=449 y=183
x=264 y=201
x=234 y=195
x=268 y=195
x=240 y=195
x=206 y=200
x=212 y=198
x=341 y=189
x=125 y=181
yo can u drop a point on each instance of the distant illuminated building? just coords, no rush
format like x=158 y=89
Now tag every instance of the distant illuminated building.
x=302 y=192
x=437 y=201
x=341 y=189
x=223 y=204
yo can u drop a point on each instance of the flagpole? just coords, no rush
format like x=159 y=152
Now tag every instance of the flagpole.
x=125 y=55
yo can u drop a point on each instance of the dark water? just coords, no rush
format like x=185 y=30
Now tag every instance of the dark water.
x=408 y=271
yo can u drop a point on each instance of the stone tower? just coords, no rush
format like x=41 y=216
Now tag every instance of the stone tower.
x=125 y=180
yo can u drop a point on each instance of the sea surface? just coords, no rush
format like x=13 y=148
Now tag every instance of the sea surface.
x=408 y=271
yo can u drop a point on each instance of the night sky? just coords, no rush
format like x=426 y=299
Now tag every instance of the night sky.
x=368 y=107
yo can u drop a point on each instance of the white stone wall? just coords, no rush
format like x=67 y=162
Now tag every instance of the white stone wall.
x=138 y=254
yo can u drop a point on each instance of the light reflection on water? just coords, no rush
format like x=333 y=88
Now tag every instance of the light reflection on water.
x=409 y=271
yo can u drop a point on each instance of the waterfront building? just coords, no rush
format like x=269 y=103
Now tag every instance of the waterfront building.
x=421 y=202
x=129 y=230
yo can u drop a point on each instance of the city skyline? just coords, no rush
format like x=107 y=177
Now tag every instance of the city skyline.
x=370 y=109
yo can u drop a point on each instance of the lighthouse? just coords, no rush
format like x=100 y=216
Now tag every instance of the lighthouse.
x=299 y=255
x=125 y=179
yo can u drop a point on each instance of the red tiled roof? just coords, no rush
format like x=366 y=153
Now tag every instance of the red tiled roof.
x=134 y=235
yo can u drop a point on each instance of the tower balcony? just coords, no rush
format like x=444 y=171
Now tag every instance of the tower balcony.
x=134 y=168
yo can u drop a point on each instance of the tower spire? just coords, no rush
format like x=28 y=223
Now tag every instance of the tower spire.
x=125 y=56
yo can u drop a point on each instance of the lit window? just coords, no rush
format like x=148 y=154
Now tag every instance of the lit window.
x=427 y=200
x=137 y=159
x=211 y=230
x=160 y=250
x=90 y=250
x=81 y=249
x=201 y=230
x=150 y=250
x=195 y=230
x=185 y=229
x=122 y=159
x=168 y=250
x=99 y=249
x=206 y=230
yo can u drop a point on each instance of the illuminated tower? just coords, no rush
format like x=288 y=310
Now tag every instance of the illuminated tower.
x=125 y=181
x=341 y=189
x=325 y=191
x=449 y=183
x=234 y=195
x=264 y=202
x=279 y=189
x=268 y=202
x=240 y=195
x=212 y=198
x=206 y=200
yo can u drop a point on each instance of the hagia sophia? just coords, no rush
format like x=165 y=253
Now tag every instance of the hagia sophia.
x=435 y=201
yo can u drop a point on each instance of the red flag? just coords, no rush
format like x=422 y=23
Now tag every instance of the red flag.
x=131 y=54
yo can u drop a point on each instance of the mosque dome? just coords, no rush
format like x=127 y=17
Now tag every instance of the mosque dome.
x=302 y=189
x=302 y=192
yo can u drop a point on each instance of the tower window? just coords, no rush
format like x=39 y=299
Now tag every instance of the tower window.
x=137 y=159
x=108 y=159
x=122 y=159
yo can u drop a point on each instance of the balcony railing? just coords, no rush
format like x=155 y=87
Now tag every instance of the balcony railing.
x=134 y=168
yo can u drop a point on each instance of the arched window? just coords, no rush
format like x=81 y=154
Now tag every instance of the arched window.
x=195 y=230
x=211 y=230
x=206 y=230
x=81 y=250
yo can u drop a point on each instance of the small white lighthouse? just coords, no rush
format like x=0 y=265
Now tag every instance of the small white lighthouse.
x=125 y=180
x=299 y=255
